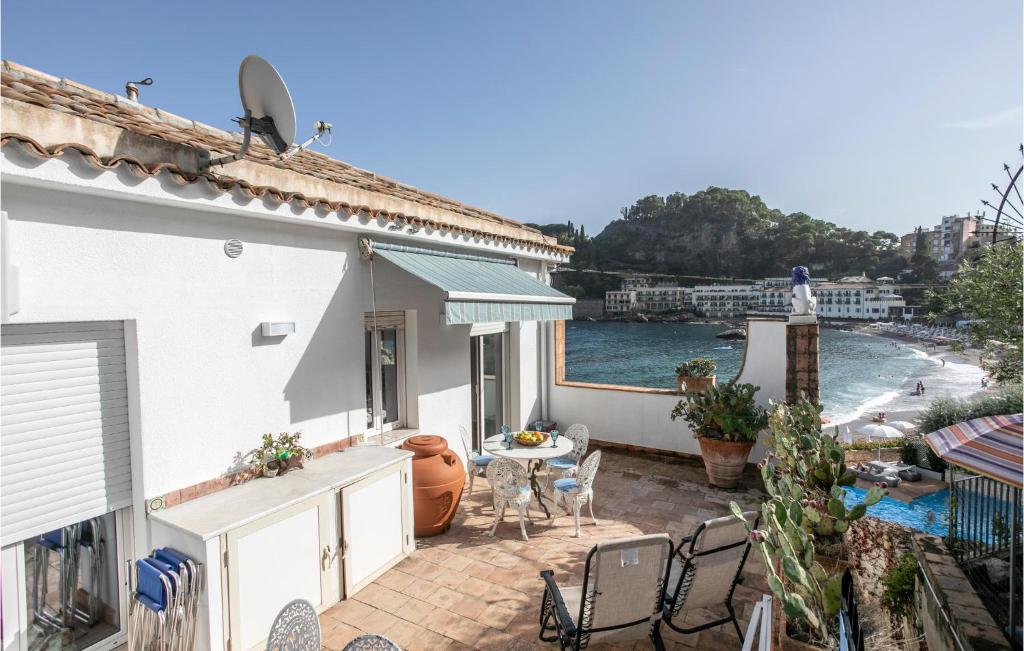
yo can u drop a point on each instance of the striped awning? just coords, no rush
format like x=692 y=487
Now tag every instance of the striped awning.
x=477 y=289
x=991 y=446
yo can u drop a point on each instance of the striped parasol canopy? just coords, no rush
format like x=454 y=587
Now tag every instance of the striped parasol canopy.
x=992 y=446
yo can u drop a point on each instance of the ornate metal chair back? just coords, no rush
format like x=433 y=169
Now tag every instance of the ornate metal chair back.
x=507 y=477
x=296 y=628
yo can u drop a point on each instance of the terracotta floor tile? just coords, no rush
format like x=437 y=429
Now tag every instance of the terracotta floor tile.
x=444 y=597
x=465 y=589
x=497 y=617
x=467 y=606
x=419 y=588
x=383 y=598
x=417 y=612
x=396 y=580
x=336 y=635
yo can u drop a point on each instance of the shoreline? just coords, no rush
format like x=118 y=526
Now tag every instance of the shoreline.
x=970 y=357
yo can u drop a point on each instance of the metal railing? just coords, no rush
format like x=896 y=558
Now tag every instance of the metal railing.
x=851 y=634
x=985 y=536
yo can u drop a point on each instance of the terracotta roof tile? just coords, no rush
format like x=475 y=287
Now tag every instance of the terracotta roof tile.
x=31 y=87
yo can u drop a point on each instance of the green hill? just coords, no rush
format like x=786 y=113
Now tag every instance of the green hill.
x=730 y=234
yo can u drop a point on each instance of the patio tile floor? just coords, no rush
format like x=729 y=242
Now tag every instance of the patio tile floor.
x=464 y=589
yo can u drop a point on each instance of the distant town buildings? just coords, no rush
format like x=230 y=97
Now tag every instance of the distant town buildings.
x=947 y=242
x=851 y=297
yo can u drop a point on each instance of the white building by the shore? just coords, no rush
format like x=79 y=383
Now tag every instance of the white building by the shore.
x=859 y=297
x=722 y=301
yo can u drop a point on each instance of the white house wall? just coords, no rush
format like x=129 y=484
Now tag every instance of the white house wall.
x=209 y=384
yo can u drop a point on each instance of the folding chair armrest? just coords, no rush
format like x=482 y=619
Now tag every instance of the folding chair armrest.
x=561 y=612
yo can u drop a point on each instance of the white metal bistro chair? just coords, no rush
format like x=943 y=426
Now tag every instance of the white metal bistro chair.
x=296 y=628
x=705 y=570
x=510 y=487
x=568 y=463
x=571 y=493
x=475 y=463
x=620 y=599
x=371 y=642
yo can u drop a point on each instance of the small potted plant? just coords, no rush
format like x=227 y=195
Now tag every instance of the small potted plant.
x=696 y=375
x=726 y=422
x=278 y=456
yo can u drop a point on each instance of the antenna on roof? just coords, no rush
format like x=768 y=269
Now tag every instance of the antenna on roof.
x=269 y=112
x=131 y=89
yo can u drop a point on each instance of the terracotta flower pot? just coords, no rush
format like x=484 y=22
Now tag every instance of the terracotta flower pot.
x=689 y=384
x=724 y=460
x=437 y=479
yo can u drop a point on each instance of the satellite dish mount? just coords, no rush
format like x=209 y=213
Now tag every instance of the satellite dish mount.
x=269 y=112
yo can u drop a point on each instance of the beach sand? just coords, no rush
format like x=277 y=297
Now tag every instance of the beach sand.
x=960 y=376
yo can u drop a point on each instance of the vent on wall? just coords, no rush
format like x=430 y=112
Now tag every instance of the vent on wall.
x=233 y=248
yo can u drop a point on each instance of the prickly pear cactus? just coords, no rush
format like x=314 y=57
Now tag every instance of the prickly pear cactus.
x=804 y=475
x=809 y=465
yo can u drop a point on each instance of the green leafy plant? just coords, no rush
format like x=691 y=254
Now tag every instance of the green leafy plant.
x=809 y=595
x=909 y=453
x=871 y=445
x=809 y=465
x=898 y=586
x=278 y=451
x=1000 y=530
x=697 y=367
x=727 y=413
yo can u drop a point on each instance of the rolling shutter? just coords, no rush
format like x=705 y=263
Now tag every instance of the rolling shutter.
x=386 y=319
x=64 y=445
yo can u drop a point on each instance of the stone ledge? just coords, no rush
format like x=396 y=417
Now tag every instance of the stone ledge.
x=969 y=621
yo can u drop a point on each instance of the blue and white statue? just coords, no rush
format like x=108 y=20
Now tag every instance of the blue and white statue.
x=803 y=302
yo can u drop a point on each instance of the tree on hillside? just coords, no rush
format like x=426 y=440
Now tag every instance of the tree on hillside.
x=923 y=268
x=990 y=290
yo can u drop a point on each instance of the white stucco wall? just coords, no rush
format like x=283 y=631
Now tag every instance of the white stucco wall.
x=209 y=384
x=643 y=419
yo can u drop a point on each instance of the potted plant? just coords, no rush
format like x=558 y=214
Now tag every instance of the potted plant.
x=278 y=456
x=696 y=375
x=725 y=421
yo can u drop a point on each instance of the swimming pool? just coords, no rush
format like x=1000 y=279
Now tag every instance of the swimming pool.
x=927 y=513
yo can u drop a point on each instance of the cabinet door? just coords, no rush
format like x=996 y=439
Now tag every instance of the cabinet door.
x=285 y=556
x=376 y=525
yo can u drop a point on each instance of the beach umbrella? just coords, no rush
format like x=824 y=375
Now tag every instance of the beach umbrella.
x=991 y=446
x=902 y=425
x=884 y=432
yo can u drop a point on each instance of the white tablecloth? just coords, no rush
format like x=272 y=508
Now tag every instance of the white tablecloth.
x=496 y=445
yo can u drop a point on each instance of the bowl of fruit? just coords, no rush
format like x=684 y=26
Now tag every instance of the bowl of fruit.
x=530 y=438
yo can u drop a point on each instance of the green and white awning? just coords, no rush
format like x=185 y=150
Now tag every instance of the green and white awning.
x=477 y=289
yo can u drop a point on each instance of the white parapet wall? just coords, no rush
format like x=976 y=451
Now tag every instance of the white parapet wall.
x=638 y=416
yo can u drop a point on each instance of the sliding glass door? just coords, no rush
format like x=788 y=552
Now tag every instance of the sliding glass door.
x=489 y=375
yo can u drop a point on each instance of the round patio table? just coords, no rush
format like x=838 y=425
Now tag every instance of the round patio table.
x=533 y=456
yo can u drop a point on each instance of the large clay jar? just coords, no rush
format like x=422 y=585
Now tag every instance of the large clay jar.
x=437 y=479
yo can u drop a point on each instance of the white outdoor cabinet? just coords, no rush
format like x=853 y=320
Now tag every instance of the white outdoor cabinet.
x=319 y=534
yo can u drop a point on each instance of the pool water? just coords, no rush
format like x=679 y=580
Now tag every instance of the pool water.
x=928 y=513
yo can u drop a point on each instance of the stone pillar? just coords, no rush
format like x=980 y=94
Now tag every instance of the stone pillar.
x=802 y=362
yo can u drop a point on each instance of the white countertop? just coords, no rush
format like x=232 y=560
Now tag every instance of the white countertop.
x=214 y=514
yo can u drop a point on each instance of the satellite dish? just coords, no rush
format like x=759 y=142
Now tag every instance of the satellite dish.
x=269 y=112
x=266 y=101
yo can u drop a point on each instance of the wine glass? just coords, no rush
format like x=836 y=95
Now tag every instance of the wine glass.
x=554 y=438
x=538 y=426
x=506 y=434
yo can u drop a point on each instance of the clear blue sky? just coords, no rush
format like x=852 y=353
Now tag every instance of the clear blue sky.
x=875 y=115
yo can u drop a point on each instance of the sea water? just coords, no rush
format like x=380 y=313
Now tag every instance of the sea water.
x=860 y=373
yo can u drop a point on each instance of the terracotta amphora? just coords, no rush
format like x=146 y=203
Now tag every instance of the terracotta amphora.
x=438 y=475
